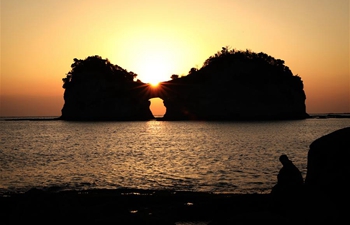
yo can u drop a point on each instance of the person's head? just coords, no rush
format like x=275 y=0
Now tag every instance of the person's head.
x=284 y=159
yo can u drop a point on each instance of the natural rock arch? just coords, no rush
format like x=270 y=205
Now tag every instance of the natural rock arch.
x=231 y=85
x=157 y=107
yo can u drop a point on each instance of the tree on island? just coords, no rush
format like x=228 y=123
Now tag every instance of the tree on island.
x=231 y=85
x=95 y=89
x=245 y=66
x=94 y=66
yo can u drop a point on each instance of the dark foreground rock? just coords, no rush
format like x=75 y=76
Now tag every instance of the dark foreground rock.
x=134 y=207
x=146 y=207
x=325 y=196
x=327 y=178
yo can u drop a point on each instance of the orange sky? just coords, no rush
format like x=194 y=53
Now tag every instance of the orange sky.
x=155 y=39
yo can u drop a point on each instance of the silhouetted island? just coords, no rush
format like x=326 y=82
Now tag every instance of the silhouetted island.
x=231 y=85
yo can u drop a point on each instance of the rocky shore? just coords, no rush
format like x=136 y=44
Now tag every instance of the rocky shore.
x=135 y=207
x=148 y=207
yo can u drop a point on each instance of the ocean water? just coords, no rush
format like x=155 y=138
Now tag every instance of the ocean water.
x=219 y=157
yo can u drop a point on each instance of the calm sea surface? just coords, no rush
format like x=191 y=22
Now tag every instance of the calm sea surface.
x=220 y=157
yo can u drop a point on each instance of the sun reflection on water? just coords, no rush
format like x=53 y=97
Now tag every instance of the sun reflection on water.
x=177 y=155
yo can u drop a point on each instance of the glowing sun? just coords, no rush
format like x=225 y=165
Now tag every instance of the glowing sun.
x=154 y=67
x=154 y=56
x=154 y=53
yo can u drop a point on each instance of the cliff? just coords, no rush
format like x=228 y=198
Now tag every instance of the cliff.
x=231 y=85
x=95 y=89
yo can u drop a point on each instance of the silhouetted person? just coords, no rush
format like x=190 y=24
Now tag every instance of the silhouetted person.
x=287 y=193
x=289 y=174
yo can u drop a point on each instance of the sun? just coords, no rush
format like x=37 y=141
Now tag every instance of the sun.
x=154 y=84
x=153 y=57
x=154 y=67
x=154 y=53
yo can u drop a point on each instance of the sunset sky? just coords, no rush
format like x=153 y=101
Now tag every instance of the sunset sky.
x=157 y=38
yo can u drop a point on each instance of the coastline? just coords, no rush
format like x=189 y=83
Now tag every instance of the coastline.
x=159 y=118
x=164 y=207
x=133 y=206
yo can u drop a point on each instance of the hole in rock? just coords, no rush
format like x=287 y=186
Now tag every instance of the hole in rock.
x=157 y=107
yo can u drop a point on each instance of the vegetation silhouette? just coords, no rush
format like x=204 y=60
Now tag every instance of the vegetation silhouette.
x=95 y=65
x=231 y=85
x=261 y=69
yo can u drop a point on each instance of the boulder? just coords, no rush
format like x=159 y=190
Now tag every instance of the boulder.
x=328 y=166
x=327 y=179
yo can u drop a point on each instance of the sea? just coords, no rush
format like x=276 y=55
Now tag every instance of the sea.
x=238 y=157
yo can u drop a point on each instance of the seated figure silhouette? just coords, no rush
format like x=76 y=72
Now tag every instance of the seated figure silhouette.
x=289 y=175
x=287 y=193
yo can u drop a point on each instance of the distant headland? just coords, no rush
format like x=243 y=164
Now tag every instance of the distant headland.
x=231 y=85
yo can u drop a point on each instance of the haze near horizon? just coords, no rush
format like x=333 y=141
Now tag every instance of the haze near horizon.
x=156 y=39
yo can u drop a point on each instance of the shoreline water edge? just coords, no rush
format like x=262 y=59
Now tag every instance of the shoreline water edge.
x=132 y=206
x=313 y=205
x=160 y=118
